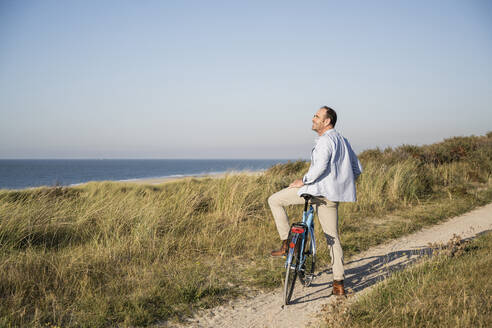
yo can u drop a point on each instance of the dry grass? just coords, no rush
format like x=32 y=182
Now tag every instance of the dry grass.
x=106 y=254
x=452 y=289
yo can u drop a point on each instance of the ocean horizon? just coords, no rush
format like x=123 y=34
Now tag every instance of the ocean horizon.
x=27 y=173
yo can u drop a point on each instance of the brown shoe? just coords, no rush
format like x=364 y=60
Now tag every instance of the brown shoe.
x=283 y=249
x=338 y=289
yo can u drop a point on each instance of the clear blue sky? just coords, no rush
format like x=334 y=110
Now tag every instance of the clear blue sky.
x=238 y=79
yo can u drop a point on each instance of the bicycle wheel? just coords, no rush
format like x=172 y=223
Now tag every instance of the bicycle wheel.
x=306 y=274
x=291 y=273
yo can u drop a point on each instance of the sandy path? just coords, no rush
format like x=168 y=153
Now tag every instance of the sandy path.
x=363 y=271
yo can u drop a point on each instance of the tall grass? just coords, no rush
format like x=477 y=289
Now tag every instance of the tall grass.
x=452 y=289
x=107 y=253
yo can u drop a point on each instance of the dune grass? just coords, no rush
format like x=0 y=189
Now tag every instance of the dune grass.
x=452 y=289
x=107 y=253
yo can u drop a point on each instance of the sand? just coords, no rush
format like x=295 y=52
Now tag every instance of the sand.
x=362 y=272
x=161 y=180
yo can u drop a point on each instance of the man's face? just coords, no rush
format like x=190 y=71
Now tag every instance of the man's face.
x=320 y=121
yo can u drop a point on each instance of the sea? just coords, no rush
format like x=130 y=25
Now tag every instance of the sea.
x=25 y=173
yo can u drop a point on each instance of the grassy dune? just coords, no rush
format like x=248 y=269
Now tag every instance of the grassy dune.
x=452 y=289
x=108 y=253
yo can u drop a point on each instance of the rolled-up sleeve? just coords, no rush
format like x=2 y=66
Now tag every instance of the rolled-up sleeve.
x=319 y=161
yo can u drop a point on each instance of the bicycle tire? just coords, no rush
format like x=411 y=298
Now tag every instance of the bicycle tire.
x=306 y=273
x=291 y=273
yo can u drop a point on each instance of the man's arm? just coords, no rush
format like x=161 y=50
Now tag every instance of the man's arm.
x=320 y=159
x=354 y=162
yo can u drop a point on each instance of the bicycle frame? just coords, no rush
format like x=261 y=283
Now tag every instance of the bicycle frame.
x=308 y=225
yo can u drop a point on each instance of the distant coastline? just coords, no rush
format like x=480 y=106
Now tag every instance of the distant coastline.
x=22 y=174
x=214 y=175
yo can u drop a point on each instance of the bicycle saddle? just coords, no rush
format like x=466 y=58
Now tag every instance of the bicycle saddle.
x=306 y=196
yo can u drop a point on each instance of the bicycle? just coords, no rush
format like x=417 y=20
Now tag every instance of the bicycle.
x=301 y=256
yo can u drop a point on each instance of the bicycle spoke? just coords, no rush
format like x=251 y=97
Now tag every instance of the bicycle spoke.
x=307 y=273
x=291 y=272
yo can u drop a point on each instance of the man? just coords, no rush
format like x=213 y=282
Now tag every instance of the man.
x=331 y=179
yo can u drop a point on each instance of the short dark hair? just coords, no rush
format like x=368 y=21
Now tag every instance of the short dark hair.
x=331 y=114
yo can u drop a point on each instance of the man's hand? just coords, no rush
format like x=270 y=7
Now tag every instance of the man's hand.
x=296 y=184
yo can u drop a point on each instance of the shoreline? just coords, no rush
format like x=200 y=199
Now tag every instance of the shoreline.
x=167 y=179
x=152 y=180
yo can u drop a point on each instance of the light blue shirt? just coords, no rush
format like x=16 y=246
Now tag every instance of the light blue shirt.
x=334 y=169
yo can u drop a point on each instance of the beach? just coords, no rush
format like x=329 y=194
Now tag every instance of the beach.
x=161 y=180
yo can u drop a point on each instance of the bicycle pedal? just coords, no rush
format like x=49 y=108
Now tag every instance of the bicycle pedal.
x=309 y=280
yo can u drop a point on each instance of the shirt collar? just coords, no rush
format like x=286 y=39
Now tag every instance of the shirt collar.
x=326 y=133
x=329 y=131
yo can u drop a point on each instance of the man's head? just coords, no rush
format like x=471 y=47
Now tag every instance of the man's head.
x=324 y=120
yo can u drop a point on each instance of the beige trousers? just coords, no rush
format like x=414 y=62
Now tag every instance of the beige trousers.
x=328 y=218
